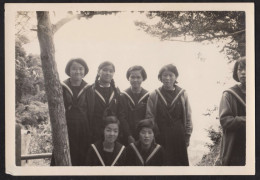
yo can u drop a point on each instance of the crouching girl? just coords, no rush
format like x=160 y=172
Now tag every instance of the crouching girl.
x=107 y=151
x=145 y=152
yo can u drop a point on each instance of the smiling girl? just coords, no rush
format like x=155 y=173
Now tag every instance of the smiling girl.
x=169 y=108
x=145 y=152
x=133 y=101
x=102 y=98
x=107 y=151
x=74 y=96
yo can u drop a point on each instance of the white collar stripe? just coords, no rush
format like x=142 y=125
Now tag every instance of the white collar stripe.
x=82 y=89
x=237 y=96
x=153 y=153
x=98 y=155
x=67 y=87
x=174 y=100
x=100 y=96
x=117 y=157
x=129 y=97
x=143 y=97
x=137 y=153
x=162 y=96
x=111 y=97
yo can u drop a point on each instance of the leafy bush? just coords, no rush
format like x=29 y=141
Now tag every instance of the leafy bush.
x=41 y=142
x=210 y=158
x=32 y=114
x=215 y=137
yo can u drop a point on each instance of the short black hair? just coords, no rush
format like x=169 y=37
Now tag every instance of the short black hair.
x=110 y=120
x=136 y=68
x=168 y=67
x=146 y=123
x=242 y=63
x=77 y=60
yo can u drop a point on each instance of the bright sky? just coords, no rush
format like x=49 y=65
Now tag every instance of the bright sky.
x=115 y=38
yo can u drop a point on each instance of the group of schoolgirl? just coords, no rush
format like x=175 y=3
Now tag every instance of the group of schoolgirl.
x=155 y=128
x=107 y=127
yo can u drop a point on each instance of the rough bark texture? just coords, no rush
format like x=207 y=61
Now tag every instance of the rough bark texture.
x=53 y=90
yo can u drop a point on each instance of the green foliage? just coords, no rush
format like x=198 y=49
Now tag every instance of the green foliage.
x=41 y=141
x=32 y=114
x=31 y=102
x=90 y=14
x=200 y=26
x=29 y=77
x=215 y=137
x=210 y=158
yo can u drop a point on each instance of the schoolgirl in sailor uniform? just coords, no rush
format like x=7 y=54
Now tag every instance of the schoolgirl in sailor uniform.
x=145 y=151
x=102 y=97
x=107 y=152
x=74 y=96
x=168 y=106
x=133 y=101
x=232 y=115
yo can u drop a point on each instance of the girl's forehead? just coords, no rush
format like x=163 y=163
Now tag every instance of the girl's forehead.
x=113 y=125
x=167 y=72
x=146 y=129
x=108 y=67
x=136 y=72
x=76 y=64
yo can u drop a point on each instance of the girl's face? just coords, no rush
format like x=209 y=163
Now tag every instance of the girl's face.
x=111 y=132
x=106 y=74
x=168 y=79
x=146 y=136
x=77 y=71
x=136 y=79
x=241 y=74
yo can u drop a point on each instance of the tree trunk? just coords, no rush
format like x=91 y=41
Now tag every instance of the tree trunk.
x=53 y=90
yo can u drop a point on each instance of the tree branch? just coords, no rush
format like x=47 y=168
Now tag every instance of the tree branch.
x=179 y=40
x=221 y=36
x=63 y=21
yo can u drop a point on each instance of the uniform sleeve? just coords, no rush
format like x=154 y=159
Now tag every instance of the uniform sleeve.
x=188 y=125
x=123 y=116
x=64 y=98
x=227 y=114
x=151 y=107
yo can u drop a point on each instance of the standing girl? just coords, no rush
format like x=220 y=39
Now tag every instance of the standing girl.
x=107 y=151
x=74 y=95
x=169 y=107
x=102 y=98
x=133 y=100
x=232 y=115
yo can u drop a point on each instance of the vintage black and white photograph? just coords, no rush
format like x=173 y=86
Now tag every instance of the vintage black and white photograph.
x=130 y=85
